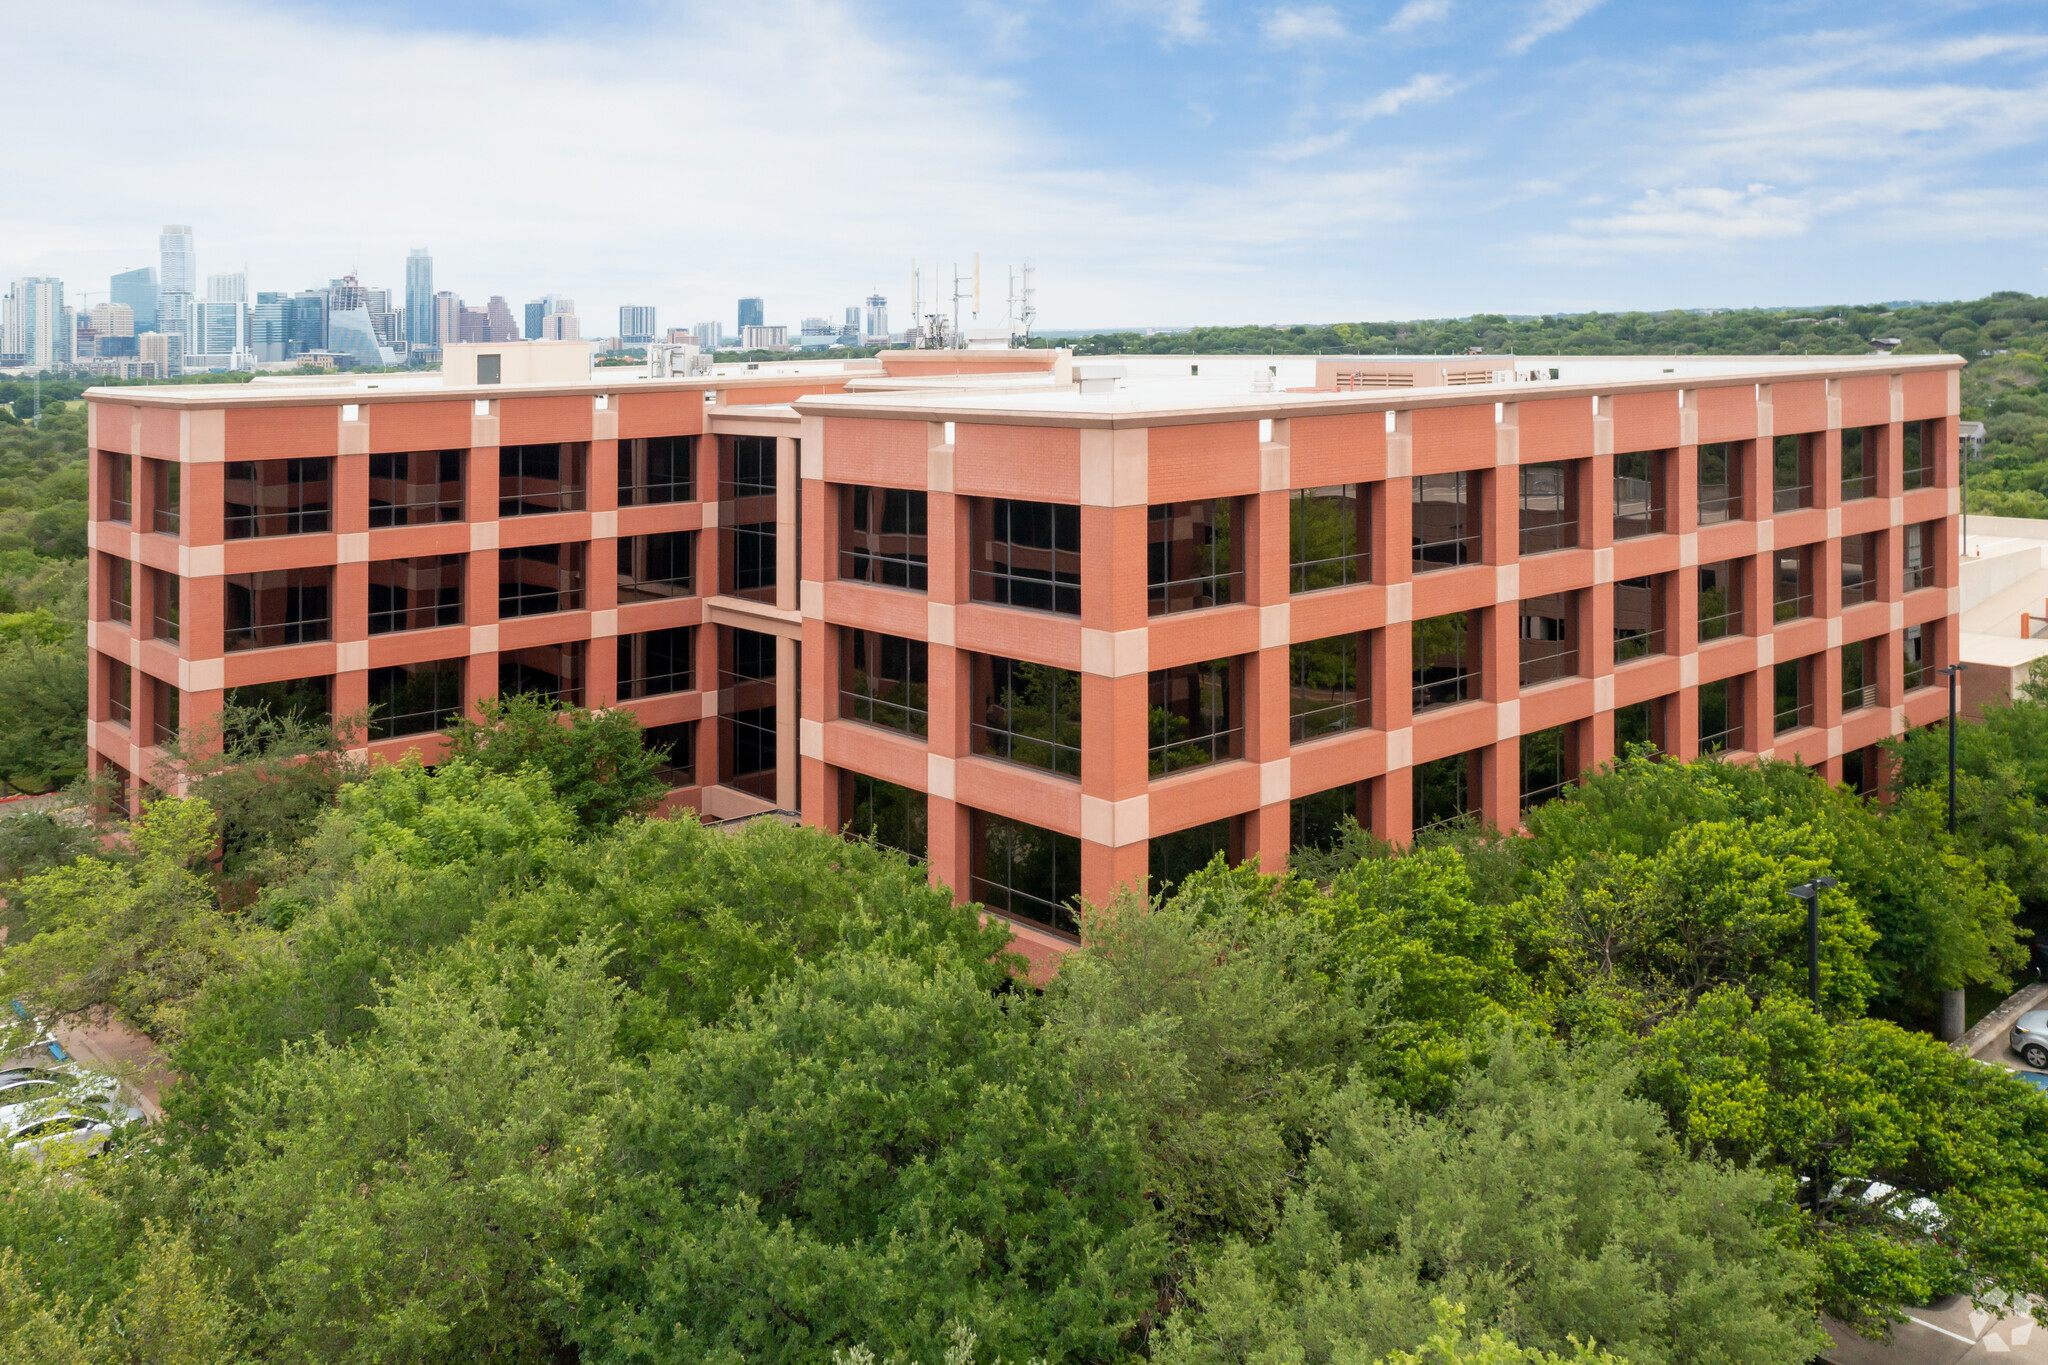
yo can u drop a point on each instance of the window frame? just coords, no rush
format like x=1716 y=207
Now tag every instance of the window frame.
x=863 y=553
x=569 y=598
x=385 y=725
x=525 y=491
x=993 y=734
x=1306 y=724
x=309 y=617
x=1353 y=564
x=1464 y=683
x=1211 y=549
x=416 y=510
x=386 y=620
x=898 y=700
x=1467 y=546
x=1056 y=591
x=634 y=553
x=299 y=517
x=1204 y=681
x=635 y=682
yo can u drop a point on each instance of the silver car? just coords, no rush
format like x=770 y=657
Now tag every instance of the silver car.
x=2030 y=1038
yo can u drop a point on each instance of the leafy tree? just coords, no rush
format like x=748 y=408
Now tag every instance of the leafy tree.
x=1547 y=1200
x=1216 y=1025
x=269 y=773
x=867 y=1153
x=412 y=1196
x=1862 y=1101
x=172 y=1314
x=136 y=937
x=42 y=702
x=595 y=760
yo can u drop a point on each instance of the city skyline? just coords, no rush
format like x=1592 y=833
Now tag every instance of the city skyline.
x=1163 y=162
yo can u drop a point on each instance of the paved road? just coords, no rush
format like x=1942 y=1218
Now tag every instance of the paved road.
x=1955 y=1334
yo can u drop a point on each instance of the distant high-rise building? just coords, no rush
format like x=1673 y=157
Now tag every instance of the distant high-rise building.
x=227 y=288
x=753 y=312
x=756 y=337
x=159 y=349
x=308 y=328
x=137 y=289
x=180 y=265
x=447 y=318
x=636 y=323
x=113 y=320
x=270 y=327
x=876 y=324
x=32 y=323
x=350 y=331
x=419 y=297
x=346 y=293
x=546 y=306
x=474 y=324
x=710 y=336
x=177 y=283
x=561 y=327
x=501 y=326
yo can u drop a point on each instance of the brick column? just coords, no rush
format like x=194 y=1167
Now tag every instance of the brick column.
x=1268 y=721
x=948 y=834
x=1115 y=717
x=1391 y=808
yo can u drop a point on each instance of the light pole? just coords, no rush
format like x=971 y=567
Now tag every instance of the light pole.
x=1810 y=893
x=1954 y=672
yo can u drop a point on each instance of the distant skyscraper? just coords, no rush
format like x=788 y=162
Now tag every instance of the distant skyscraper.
x=270 y=329
x=160 y=349
x=350 y=330
x=346 y=293
x=710 y=335
x=753 y=313
x=546 y=306
x=32 y=319
x=308 y=328
x=876 y=323
x=419 y=297
x=502 y=327
x=113 y=320
x=561 y=327
x=636 y=323
x=474 y=324
x=177 y=283
x=137 y=289
x=180 y=267
x=447 y=318
x=227 y=288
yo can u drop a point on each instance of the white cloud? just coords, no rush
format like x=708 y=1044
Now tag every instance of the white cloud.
x=1293 y=27
x=1425 y=88
x=1686 y=219
x=1552 y=16
x=1416 y=13
x=1178 y=21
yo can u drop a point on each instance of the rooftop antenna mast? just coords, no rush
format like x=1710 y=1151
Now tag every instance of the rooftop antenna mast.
x=1023 y=301
x=958 y=295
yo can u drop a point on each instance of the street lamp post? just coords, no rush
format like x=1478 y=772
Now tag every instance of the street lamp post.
x=1954 y=672
x=1810 y=893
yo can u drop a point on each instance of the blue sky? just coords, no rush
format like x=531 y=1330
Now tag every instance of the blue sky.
x=1161 y=161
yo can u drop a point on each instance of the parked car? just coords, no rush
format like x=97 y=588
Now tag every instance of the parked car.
x=87 y=1131
x=2030 y=1038
x=42 y=1108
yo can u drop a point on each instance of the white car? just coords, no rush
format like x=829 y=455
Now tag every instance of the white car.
x=44 y=1109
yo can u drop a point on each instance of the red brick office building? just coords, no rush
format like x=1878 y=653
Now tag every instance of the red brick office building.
x=1053 y=636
